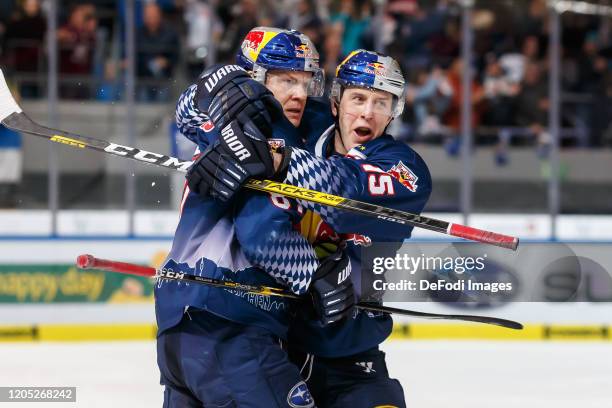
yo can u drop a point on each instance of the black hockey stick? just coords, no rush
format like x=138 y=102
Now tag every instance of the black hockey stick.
x=14 y=118
x=91 y=262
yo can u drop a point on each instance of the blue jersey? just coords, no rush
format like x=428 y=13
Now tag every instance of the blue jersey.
x=381 y=171
x=222 y=242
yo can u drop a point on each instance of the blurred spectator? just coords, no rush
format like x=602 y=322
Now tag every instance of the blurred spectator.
x=532 y=23
x=332 y=49
x=77 y=40
x=303 y=14
x=305 y=18
x=445 y=45
x=602 y=114
x=430 y=96
x=500 y=89
x=513 y=63
x=455 y=78
x=352 y=20
x=452 y=117
x=203 y=32
x=158 y=49
x=7 y=7
x=592 y=67
x=415 y=28
x=23 y=44
x=533 y=105
x=241 y=19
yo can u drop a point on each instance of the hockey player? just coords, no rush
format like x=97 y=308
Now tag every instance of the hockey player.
x=354 y=158
x=216 y=347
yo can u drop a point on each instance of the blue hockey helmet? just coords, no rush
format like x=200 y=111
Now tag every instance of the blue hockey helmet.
x=268 y=48
x=368 y=69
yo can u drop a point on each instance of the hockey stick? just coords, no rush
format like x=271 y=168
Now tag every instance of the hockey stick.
x=90 y=262
x=14 y=118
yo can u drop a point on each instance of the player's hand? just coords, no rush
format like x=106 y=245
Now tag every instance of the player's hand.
x=222 y=169
x=227 y=93
x=332 y=290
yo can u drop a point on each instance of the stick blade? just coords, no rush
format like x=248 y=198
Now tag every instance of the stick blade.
x=8 y=105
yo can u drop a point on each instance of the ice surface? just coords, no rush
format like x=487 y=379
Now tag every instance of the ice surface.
x=435 y=374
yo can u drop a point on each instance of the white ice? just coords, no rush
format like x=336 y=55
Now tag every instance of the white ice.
x=435 y=374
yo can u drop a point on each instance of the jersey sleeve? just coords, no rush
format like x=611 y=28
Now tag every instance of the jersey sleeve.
x=191 y=122
x=264 y=228
x=394 y=177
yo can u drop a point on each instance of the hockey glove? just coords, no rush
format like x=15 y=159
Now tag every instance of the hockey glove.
x=332 y=289
x=224 y=167
x=228 y=93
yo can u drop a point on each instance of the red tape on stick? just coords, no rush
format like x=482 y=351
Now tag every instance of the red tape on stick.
x=91 y=262
x=475 y=234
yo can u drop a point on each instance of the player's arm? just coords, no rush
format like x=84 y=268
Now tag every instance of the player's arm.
x=371 y=180
x=191 y=121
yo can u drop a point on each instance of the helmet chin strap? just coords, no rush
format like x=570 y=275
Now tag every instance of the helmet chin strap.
x=337 y=133
x=388 y=123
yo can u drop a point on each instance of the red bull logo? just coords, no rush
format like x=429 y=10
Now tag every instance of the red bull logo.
x=303 y=51
x=377 y=68
x=404 y=175
x=358 y=239
x=253 y=39
x=325 y=233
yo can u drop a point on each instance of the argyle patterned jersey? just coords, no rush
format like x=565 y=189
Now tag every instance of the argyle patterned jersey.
x=289 y=258
x=188 y=117
x=314 y=173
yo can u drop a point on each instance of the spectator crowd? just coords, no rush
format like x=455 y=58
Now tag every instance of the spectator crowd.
x=177 y=38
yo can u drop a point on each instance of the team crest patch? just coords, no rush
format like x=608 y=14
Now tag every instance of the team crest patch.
x=207 y=126
x=299 y=396
x=276 y=145
x=404 y=175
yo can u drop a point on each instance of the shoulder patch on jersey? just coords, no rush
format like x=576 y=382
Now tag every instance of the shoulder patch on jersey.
x=207 y=126
x=404 y=175
x=299 y=396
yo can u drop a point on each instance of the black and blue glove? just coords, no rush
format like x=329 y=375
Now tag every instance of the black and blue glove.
x=239 y=154
x=227 y=93
x=333 y=295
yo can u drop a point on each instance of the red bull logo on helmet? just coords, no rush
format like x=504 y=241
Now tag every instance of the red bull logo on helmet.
x=303 y=51
x=404 y=175
x=376 y=68
x=253 y=39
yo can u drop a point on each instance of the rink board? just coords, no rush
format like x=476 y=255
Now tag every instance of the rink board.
x=126 y=317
